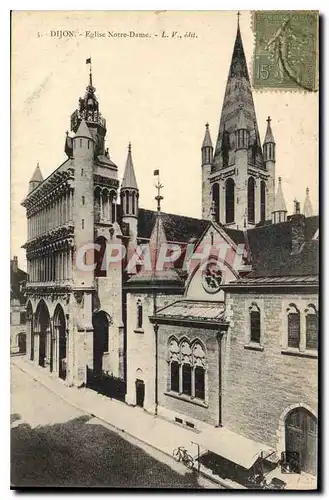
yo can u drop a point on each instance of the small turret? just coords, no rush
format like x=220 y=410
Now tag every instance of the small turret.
x=241 y=132
x=308 y=209
x=129 y=189
x=207 y=148
x=269 y=143
x=279 y=213
x=36 y=178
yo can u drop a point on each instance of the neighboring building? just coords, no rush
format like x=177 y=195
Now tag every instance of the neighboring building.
x=228 y=350
x=17 y=308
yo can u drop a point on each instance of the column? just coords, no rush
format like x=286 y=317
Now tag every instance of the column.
x=101 y=206
x=70 y=264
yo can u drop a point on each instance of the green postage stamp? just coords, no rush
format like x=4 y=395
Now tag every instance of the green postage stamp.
x=286 y=50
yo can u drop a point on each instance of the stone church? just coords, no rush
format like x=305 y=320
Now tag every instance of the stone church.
x=227 y=350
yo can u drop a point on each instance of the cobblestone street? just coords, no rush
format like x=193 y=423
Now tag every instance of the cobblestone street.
x=55 y=444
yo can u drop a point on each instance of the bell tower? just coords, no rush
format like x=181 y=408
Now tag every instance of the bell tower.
x=238 y=175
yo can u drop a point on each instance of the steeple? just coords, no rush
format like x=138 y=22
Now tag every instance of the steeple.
x=238 y=91
x=207 y=148
x=279 y=213
x=308 y=209
x=129 y=190
x=129 y=178
x=88 y=110
x=269 y=135
x=36 y=178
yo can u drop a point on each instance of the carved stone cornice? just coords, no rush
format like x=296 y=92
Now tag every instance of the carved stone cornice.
x=105 y=181
x=57 y=235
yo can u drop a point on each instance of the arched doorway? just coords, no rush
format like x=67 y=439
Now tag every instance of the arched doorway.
x=29 y=328
x=301 y=437
x=101 y=340
x=140 y=388
x=42 y=319
x=60 y=341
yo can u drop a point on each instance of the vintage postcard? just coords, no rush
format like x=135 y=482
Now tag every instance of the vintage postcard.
x=164 y=249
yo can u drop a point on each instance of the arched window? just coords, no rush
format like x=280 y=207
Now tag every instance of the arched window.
x=187 y=368
x=262 y=201
x=251 y=200
x=133 y=209
x=293 y=326
x=311 y=327
x=230 y=200
x=139 y=314
x=127 y=202
x=215 y=199
x=254 y=314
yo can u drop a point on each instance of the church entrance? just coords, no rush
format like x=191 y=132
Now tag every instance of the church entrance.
x=43 y=329
x=140 y=392
x=301 y=437
x=60 y=337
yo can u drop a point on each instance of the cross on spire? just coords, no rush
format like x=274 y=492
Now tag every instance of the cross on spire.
x=238 y=15
x=268 y=120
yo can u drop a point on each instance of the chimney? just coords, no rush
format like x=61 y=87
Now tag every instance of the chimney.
x=297 y=221
x=14 y=264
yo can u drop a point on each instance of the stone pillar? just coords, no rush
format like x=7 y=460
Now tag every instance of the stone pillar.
x=101 y=215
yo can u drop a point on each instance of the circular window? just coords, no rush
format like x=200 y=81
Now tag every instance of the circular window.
x=211 y=277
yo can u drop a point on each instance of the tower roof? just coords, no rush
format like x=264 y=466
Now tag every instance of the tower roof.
x=269 y=134
x=279 y=204
x=83 y=131
x=237 y=94
x=308 y=209
x=129 y=178
x=37 y=176
x=207 y=143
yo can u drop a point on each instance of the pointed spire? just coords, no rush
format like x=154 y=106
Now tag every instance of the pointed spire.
x=83 y=131
x=129 y=178
x=269 y=134
x=37 y=175
x=207 y=143
x=36 y=178
x=308 y=209
x=279 y=204
x=238 y=91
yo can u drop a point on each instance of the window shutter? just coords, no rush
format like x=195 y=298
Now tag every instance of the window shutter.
x=311 y=331
x=255 y=326
x=293 y=329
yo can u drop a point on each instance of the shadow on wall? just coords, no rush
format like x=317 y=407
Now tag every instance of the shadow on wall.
x=74 y=454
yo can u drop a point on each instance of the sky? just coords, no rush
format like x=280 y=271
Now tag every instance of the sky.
x=156 y=92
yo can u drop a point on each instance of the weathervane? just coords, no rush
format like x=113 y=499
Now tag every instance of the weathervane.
x=158 y=186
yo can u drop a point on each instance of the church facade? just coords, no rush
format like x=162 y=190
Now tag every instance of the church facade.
x=223 y=337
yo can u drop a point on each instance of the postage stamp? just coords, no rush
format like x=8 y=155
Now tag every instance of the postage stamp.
x=286 y=50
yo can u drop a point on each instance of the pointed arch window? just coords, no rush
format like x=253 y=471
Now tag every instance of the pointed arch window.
x=262 y=201
x=230 y=200
x=293 y=326
x=139 y=314
x=311 y=318
x=127 y=203
x=251 y=200
x=133 y=202
x=215 y=199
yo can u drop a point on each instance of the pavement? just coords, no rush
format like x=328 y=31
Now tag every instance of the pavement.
x=49 y=424
x=134 y=422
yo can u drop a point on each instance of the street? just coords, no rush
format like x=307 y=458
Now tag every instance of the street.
x=55 y=444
